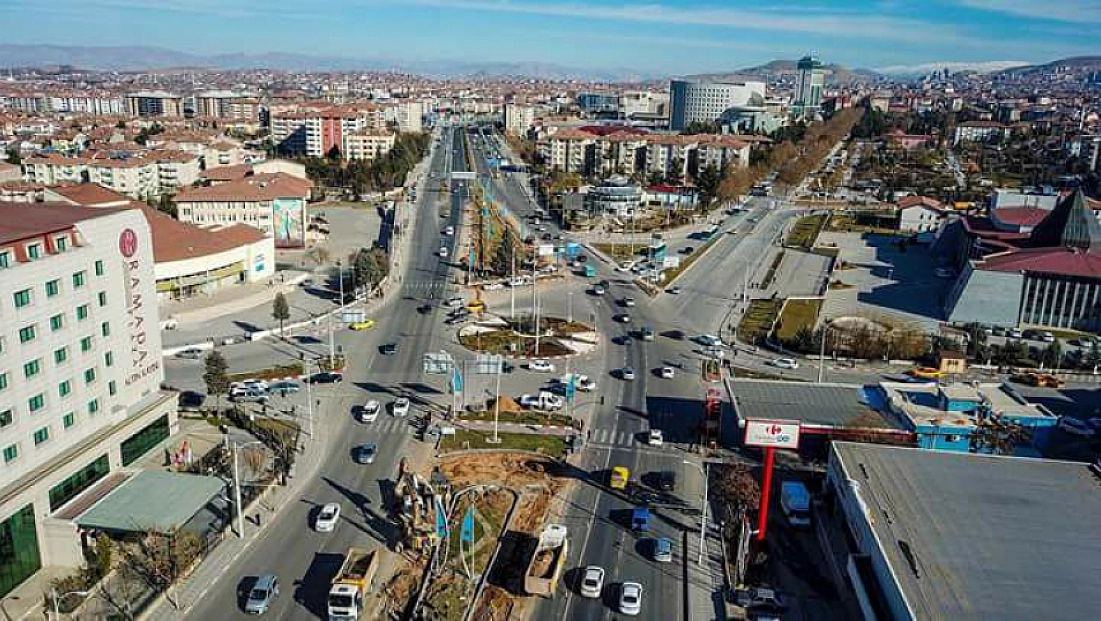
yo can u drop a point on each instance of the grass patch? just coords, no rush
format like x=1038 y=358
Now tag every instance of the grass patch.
x=797 y=315
x=746 y=373
x=758 y=320
x=551 y=446
x=805 y=232
x=508 y=343
x=278 y=371
x=621 y=252
x=523 y=417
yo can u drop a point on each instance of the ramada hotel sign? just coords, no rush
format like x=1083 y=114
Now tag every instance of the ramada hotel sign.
x=142 y=362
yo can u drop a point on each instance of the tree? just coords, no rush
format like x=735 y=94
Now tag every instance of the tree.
x=708 y=182
x=216 y=375
x=737 y=486
x=161 y=558
x=280 y=310
x=675 y=176
x=993 y=434
x=1052 y=355
x=504 y=256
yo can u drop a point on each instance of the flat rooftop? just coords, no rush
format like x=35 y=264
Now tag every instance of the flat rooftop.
x=821 y=405
x=151 y=500
x=986 y=537
x=921 y=403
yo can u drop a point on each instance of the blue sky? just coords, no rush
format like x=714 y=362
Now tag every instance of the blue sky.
x=656 y=36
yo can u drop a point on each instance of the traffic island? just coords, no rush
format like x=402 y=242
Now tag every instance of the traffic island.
x=517 y=338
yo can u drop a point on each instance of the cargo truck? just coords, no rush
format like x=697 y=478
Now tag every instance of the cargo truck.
x=545 y=567
x=351 y=583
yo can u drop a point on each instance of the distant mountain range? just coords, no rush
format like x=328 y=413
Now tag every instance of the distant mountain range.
x=834 y=73
x=1078 y=63
x=145 y=58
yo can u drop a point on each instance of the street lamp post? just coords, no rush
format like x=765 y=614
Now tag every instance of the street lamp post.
x=236 y=446
x=56 y=598
x=822 y=352
x=703 y=506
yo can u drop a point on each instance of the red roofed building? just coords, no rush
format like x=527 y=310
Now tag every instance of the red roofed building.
x=1054 y=282
x=274 y=203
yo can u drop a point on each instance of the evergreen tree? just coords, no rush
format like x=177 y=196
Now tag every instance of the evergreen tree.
x=280 y=310
x=216 y=375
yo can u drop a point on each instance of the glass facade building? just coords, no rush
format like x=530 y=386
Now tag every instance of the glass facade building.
x=19 y=556
x=140 y=443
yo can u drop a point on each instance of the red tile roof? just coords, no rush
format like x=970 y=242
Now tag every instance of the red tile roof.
x=227 y=173
x=1060 y=261
x=24 y=220
x=912 y=201
x=261 y=187
x=176 y=241
x=1021 y=216
x=90 y=195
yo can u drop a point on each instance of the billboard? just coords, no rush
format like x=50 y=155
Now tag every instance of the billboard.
x=782 y=434
x=289 y=222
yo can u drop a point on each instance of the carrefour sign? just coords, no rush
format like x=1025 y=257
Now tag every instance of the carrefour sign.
x=781 y=434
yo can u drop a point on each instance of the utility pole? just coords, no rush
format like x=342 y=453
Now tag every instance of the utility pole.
x=535 y=303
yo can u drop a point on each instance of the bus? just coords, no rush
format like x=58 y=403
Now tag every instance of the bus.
x=710 y=233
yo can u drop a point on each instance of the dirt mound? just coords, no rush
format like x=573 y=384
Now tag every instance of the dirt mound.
x=508 y=404
x=508 y=469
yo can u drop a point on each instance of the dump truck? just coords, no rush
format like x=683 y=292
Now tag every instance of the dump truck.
x=351 y=583
x=545 y=567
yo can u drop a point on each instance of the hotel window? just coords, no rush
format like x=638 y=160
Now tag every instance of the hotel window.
x=32 y=368
x=102 y=296
x=53 y=287
x=82 y=312
x=34 y=251
x=64 y=388
x=6 y=418
x=78 y=279
x=99 y=268
x=22 y=298
x=86 y=343
x=3 y=381
x=61 y=355
x=10 y=453
x=112 y=388
x=109 y=359
x=105 y=329
x=89 y=376
x=5 y=259
x=61 y=244
x=36 y=402
x=68 y=420
x=26 y=334
x=41 y=435
x=93 y=406
x=57 y=322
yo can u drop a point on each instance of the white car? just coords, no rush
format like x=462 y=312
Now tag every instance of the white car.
x=597 y=290
x=191 y=353
x=327 y=518
x=585 y=384
x=627 y=373
x=443 y=252
x=252 y=384
x=625 y=266
x=629 y=302
x=369 y=413
x=453 y=302
x=630 y=598
x=592 y=583
x=449 y=231
x=541 y=366
x=708 y=340
x=655 y=438
x=675 y=290
x=666 y=372
x=400 y=407
x=784 y=363
x=1076 y=427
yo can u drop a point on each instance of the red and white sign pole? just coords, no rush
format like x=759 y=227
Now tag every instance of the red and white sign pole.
x=769 y=435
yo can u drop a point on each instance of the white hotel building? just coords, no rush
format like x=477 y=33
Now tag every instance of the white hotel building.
x=80 y=370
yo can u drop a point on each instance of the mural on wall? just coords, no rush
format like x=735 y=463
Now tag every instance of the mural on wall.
x=289 y=222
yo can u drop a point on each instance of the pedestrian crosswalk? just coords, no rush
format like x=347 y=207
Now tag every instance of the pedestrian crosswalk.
x=391 y=425
x=426 y=287
x=612 y=437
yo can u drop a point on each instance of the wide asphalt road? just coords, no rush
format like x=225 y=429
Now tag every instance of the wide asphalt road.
x=305 y=561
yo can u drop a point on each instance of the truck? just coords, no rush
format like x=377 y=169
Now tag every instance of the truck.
x=349 y=587
x=547 y=561
x=546 y=401
x=795 y=503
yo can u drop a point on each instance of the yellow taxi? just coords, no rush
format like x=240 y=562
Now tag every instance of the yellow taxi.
x=620 y=477
x=925 y=373
x=362 y=325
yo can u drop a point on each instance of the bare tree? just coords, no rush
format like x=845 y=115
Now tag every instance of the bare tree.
x=160 y=559
x=994 y=434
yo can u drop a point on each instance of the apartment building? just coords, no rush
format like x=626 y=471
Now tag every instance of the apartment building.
x=316 y=132
x=228 y=105
x=407 y=116
x=154 y=103
x=644 y=105
x=518 y=118
x=604 y=151
x=978 y=131
x=139 y=175
x=80 y=370
x=368 y=144
x=275 y=203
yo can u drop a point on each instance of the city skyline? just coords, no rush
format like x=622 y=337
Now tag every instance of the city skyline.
x=653 y=39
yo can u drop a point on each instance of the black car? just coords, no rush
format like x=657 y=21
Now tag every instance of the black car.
x=667 y=480
x=325 y=377
x=676 y=335
x=424 y=309
x=389 y=349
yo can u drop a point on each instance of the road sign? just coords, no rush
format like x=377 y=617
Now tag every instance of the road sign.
x=456 y=381
x=783 y=434
x=571 y=387
x=462 y=175
x=441 y=519
x=467 y=532
x=438 y=364
x=488 y=364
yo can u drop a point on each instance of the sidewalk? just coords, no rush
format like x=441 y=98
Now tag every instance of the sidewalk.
x=706 y=583
x=192 y=589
